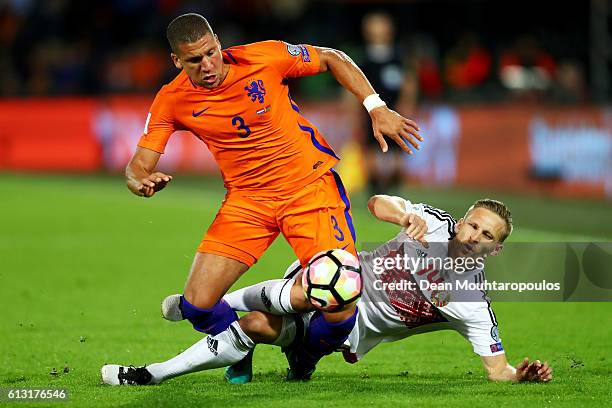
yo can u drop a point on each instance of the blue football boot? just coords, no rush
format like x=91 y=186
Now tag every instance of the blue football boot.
x=242 y=371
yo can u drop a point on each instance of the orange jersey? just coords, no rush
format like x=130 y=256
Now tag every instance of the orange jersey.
x=250 y=123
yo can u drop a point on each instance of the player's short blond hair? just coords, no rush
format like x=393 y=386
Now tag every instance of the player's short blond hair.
x=498 y=208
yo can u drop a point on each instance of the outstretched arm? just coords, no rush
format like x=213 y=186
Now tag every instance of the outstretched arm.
x=385 y=122
x=141 y=178
x=498 y=369
x=393 y=210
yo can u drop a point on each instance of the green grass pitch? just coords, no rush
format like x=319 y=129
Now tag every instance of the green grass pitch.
x=84 y=266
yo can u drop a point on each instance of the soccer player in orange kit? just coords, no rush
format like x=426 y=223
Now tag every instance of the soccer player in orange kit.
x=276 y=166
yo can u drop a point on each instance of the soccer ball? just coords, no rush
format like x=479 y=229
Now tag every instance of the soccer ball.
x=332 y=280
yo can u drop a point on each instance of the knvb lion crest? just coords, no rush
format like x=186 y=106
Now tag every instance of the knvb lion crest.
x=256 y=91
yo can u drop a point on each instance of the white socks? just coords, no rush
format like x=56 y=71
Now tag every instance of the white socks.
x=272 y=296
x=224 y=349
x=231 y=345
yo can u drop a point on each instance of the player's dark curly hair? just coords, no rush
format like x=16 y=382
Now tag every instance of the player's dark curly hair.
x=498 y=208
x=187 y=28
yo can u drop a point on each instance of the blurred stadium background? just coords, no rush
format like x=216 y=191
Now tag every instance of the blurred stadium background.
x=513 y=99
x=510 y=95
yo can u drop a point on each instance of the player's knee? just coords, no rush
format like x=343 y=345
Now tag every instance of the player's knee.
x=299 y=302
x=256 y=325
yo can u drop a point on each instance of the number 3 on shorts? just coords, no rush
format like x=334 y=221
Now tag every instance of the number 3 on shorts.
x=340 y=235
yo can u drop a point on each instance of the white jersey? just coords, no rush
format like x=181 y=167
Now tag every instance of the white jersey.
x=388 y=313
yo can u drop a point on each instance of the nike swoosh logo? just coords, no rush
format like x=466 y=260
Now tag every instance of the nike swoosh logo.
x=196 y=114
x=344 y=247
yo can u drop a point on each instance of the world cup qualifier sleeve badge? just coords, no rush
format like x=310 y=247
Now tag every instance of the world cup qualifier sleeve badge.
x=294 y=50
x=297 y=50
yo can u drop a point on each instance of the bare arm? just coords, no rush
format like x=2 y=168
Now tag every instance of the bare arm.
x=385 y=122
x=140 y=174
x=498 y=369
x=393 y=210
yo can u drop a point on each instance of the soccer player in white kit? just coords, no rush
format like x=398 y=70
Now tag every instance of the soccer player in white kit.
x=407 y=290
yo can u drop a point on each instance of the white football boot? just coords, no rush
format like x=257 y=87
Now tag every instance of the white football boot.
x=113 y=374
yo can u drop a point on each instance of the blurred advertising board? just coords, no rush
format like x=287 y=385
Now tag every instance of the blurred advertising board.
x=561 y=151
x=48 y=134
x=118 y=123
